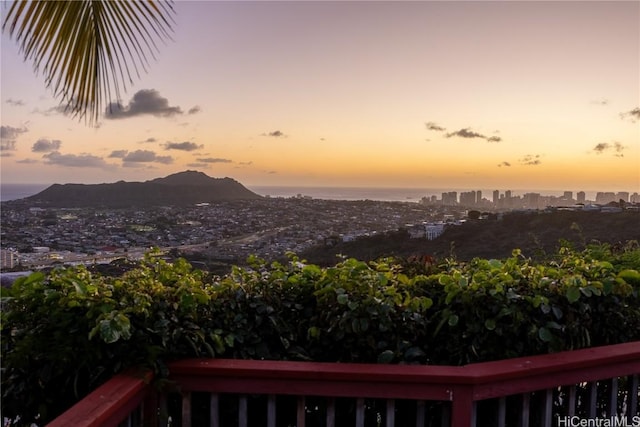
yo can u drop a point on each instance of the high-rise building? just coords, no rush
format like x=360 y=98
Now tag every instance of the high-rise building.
x=7 y=259
x=622 y=195
x=478 y=197
x=581 y=197
x=468 y=198
x=450 y=198
x=496 y=197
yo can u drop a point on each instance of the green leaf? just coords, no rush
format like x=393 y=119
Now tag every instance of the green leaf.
x=573 y=294
x=453 y=320
x=490 y=324
x=545 y=334
x=343 y=299
x=386 y=356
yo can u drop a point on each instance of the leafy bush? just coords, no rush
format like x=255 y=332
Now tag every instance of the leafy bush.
x=66 y=332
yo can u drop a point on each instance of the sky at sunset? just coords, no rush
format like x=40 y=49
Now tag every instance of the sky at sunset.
x=523 y=95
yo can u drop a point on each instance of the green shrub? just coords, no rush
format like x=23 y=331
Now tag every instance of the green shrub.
x=66 y=332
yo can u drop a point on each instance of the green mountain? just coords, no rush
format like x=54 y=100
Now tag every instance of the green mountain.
x=180 y=189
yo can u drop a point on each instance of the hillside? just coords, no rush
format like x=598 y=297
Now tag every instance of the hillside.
x=180 y=189
x=534 y=233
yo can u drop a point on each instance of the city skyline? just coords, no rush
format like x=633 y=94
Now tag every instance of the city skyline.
x=540 y=95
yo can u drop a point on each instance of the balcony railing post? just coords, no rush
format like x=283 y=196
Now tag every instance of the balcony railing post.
x=462 y=406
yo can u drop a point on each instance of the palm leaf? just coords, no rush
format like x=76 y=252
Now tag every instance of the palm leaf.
x=89 y=50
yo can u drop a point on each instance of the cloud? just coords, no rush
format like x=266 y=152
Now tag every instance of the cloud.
x=530 y=160
x=275 y=134
x=145 y=101
x=632 y=115
x=194 y=110
x=150 y=140
x=15 y=102
x=616 y=147
x=184 y=146
x=46 y=146
x=245 y=163
x=213 y=160
x=601 y=101
x=144 y=156
x=506 y=164
x=198 y=165
x=434 y=126
x=74 y=161
x=118 y=154
x=465 y=133
x=27 y=161
x=494 y=139
x=8 y=137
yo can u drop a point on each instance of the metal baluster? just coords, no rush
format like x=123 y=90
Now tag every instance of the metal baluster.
x=391 y=413
x=331 y=412
x=634 y=389
x=525 y=410
x=572 y=401
x=214 y=410
x=360 y=412
x=593 y=398
x=420 y=413
x=242 y=411
x=271 y=410
x=502 y=411
x=301 y=412
x=548 y=405
x=186 y=409
x=613 y=397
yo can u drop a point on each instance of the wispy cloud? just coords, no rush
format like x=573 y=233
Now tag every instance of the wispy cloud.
x=15 y=102
x=213 y=160
x=531 y=160
x=75 y=161
x=275 y=134
x=194 y=110
x=9 y=136
x=135 y=158
x=118 y=154
x=434 y=126
x=465 y=133
x=183 y=146
x=505 y=164
x=633 y=115
x=600 y=101
x=46 y=145
x=145 y=101
x=615 y=147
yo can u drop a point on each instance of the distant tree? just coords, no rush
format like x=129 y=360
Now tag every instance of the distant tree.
x=88 y=49
x=473 y=214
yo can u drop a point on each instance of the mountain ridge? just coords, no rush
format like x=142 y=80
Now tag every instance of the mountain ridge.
x=179 y=189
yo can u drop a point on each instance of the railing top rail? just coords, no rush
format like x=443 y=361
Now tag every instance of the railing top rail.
x=109 y=404
x=477 y=373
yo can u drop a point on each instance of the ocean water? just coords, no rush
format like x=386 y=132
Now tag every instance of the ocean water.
x=19 y=191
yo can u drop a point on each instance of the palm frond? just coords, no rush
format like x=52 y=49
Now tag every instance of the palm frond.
x=89 y=50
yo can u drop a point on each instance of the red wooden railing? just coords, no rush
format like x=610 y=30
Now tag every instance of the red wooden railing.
x=460 y=387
